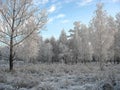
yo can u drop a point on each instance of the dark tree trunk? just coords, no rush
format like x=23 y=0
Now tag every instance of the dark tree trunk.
x=11 y=55
x=11 y=40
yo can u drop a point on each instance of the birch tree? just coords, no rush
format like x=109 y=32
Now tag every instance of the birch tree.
x=55 y=49
x=46 y=52
x=19 y=19
x=64 y=51
x=63 y=37
x=102 y=35
x=117 y=40
x=75 y=41
x=112 y=31
x=79 y=39
x=85 y=48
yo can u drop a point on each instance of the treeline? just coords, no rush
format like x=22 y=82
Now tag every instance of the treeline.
x=97 y=42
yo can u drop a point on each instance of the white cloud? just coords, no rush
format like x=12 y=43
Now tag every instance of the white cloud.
x=57 y=17
x=52 y=9
x=55 y=7
x=60 y=16
x=84 y=2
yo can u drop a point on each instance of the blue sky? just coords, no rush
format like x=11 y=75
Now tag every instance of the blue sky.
x=62 y=13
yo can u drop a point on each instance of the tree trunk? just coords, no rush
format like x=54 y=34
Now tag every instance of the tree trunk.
x=11 y=39
x=11 y=55
x=101 y=61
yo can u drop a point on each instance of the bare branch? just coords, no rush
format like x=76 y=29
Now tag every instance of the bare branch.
x=4 y=33
x=4 y=42
x=2 y=13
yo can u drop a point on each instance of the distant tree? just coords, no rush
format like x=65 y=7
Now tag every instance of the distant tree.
x=19 y=19
x=65 y=54
x=41 y=44
x=29 y=48
x=112 y=30
x=46 y=40
x=85 y=47
x=79 y=43
x=55 y=49
x=117 y=40
x=75 y=44
x=63 y=37
x=102 y=35
x=47 y=52
x=64 y=51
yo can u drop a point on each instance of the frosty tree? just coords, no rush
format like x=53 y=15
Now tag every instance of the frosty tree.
x=112 y=31
x=85 y=48
x=63 y=37
x=75 y=41
x=29 y=49
x=80 y=42
x=64 y=51
x=55 y=49
x=102 y=35
x=19 y=19
x=117 y=39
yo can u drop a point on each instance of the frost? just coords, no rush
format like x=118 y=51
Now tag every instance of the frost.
x=28 y=76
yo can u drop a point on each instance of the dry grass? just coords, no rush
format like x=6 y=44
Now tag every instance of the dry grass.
x=58 y=76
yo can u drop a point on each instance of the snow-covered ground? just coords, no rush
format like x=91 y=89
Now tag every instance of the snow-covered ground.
x=27 y=76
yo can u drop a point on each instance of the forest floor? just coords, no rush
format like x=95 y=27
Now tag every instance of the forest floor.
x=28 y=76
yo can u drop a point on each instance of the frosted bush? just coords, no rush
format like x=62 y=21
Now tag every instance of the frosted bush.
x=6 y=87
x=3 y=78
x=23 y=89
x=117 y=87
x=24 y=82
x=45 y=87
x=58 y=77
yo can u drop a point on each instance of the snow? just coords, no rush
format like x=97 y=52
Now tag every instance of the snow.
x=28 y=76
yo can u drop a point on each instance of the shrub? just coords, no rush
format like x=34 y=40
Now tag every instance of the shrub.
x=3 y=78
x=24 y=82
x=45 y=87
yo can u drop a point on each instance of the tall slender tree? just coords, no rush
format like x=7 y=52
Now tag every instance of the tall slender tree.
x=101 y=35
x=64 y=51
x=63 y=37
x=85 y=48
x=117 y=40
x=75 y=43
